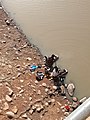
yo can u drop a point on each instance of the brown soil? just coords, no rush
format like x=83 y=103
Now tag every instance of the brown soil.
x=19 y=83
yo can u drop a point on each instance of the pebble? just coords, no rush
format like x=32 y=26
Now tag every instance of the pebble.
x=52 y=100
x=21 y=91
x=46 y=90
x=24 y=116
x=39 y=92
x=44 y=84
x=36 y=82
x=10 y=114
x=30 y=98
x=14 y=109
x=31 y=111
x=55 y=87
x=46 y=104
x=10 y=91
x=75 y=99
x=8 y=98
x=39 y=109
x=6 y=106
x=29 y=59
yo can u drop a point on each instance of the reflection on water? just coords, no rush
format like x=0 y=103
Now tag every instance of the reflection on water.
x=61 y=27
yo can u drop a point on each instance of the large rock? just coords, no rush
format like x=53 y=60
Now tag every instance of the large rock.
x=71 y=89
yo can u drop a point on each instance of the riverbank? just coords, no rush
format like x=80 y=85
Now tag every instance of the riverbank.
x=21 y=95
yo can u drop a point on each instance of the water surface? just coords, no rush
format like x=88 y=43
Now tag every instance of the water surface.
x=61 y=27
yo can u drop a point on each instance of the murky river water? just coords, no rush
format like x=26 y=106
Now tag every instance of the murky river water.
x=61 y=27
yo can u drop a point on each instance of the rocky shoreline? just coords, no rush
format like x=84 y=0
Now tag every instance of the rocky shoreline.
x=21 y=95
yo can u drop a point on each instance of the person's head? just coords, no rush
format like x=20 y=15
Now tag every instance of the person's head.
x=53 y=56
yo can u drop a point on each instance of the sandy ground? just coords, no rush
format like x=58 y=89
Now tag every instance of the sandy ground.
x=21 y=95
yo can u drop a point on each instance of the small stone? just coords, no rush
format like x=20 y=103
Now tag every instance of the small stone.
x=30 y=98
x=10 y=91
x=52 y=100
x=46 y=104
x=24 y=116
x=46 y=90
x=8 y=98
x=0 y=84
x=55 y=87
x=18 y=75
x=29 y=59
x=3 y=41
x=6 y=106
x=14 y=109
x=75 y=99
x=10 y=66
x=7 y=22
x=21 y=81
x=31 y=111
x=58 y=110
x=21 y=91
x=36 y=82
x=39 y=109
x=10 y=114
x=44 y=84
x=33 y=107
x=39 y=92
x=32 y=86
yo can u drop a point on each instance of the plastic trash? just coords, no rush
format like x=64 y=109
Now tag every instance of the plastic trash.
x=39 y=75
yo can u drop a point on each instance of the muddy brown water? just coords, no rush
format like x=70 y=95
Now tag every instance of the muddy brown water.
x=61 y=27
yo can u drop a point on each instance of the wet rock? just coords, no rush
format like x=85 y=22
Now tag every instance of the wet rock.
x=0 y=7
x=82 y=100
x=7 y=22
x=75 y=99
x=66 y=113
x=74 y=105
x=10 y=114
x=8 y=98
x=6 y=106
x=71 y=89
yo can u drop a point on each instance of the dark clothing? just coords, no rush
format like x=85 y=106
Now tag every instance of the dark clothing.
x=51 y=60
